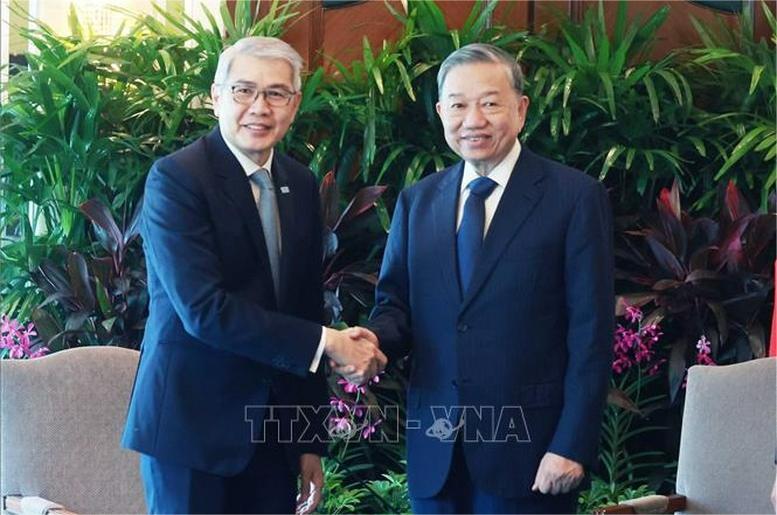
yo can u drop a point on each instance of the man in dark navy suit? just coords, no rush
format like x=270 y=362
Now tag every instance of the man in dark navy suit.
x=227 y=404
x=497 y=276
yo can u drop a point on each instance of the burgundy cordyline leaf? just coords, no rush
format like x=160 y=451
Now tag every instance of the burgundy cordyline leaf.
x=736 y=205
x=100 y=215
x=665 y=258
x=55 y=277
x=79 y=279
x=670 y=200
x=329 y=199
x=670 y=213
x=363 y=201
x=134 y=226
x=730 y=251
x=758 y=235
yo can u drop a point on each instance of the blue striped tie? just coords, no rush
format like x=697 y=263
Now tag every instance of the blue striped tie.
x=470 y=237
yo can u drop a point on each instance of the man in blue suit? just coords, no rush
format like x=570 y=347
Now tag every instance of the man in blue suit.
x=226 y=408
x=497 y=275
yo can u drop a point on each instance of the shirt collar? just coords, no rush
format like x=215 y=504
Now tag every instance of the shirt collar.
x=246 y=163
x=501 y=172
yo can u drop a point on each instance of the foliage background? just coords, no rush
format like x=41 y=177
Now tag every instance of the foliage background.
x=84 y=120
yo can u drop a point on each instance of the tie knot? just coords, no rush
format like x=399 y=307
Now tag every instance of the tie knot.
x=482 y=187
x=262 y=178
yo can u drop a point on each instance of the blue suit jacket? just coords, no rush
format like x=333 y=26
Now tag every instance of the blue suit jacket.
x=218 y=339
x=528 y=346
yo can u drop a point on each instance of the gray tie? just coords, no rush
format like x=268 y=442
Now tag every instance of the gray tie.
x=268 y=212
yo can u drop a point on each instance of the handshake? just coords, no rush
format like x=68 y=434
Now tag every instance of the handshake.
x=354 y=353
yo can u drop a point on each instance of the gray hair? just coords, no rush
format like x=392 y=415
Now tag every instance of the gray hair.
x=262 y=48
x=481 y=53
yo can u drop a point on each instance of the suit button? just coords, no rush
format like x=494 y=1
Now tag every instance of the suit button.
x=463 y=328
x=454 y=383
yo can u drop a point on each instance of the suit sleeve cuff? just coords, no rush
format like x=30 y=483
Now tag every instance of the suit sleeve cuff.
x=319 y=352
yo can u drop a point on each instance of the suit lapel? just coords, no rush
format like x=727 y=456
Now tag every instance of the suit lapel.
x=285 y=197
x=444 y=211
x=238 y=189
x=523 y=191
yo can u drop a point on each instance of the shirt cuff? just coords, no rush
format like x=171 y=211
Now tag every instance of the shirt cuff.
x=319 y=351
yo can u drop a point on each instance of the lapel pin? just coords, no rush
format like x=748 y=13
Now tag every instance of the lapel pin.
x=284 y=189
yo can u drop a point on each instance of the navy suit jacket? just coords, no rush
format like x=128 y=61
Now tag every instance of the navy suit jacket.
x=529 y=344
x=218 y=339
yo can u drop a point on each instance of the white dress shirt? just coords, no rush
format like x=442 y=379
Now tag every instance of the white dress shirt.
x=500 y=175
x=249 y=167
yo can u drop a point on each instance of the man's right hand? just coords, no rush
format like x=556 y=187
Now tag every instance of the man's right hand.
x=355 y=354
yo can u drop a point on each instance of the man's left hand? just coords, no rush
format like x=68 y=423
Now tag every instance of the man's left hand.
x=557 y=475
x=311 y=483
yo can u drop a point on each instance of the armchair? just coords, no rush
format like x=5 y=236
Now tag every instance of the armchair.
x=62 y=417
x=727 y=443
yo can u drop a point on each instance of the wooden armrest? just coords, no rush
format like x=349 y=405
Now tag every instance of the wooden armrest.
x=13 y=504
x=647 y=504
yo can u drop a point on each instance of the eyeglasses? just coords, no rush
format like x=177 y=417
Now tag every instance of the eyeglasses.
x=246 y=94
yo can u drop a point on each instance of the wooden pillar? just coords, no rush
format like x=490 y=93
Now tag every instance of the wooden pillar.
x=305 y=32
